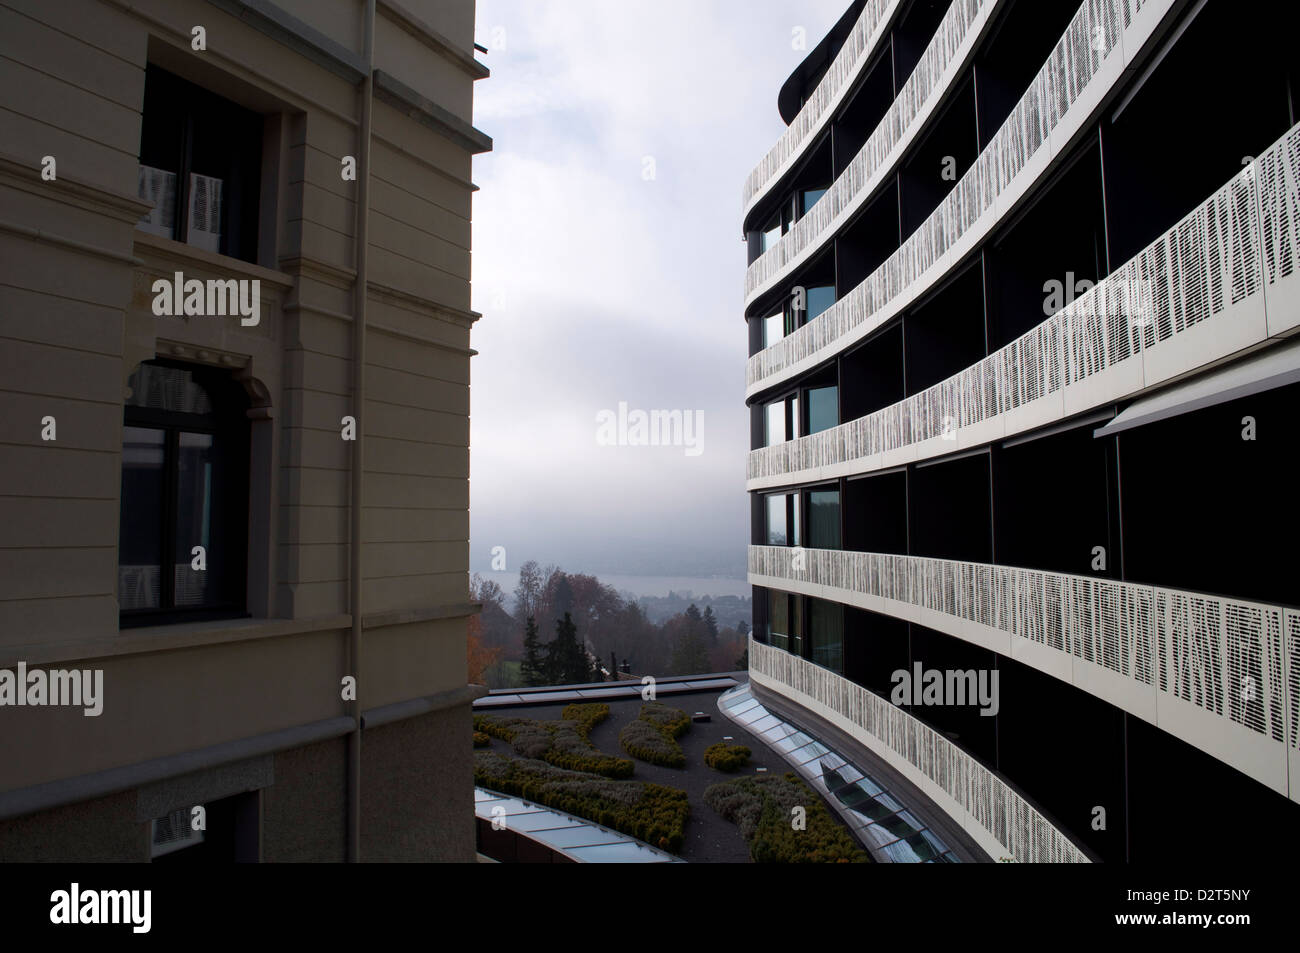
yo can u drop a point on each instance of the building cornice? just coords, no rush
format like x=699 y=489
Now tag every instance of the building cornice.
x=71 y=190
x=431 y=38
x=298 y=36
x=392 y=91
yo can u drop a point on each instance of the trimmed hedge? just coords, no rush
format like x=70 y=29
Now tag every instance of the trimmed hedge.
x=671 y=721
x=561 y=743
x=651 y=812
x=588 y=714
x=645 y=742
x=761 y=807
x=481 y=740
x=653 y=735
x=725 y=757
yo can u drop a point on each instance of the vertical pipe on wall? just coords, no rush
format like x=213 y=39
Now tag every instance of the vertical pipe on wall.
x=358 y=402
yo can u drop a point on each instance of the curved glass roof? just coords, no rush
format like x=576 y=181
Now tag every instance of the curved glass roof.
x=880 y=820
x=583 y=841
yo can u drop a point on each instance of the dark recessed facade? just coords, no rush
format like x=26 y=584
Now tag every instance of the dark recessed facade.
x=1023 y=388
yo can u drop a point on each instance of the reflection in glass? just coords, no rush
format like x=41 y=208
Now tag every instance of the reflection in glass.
x=824 y=519
x=811 y=197
x=194 y=518
x=140 y=542
x=823 y=408
x=773 y=328
x=826 y=625
x=775 y=424
x=776 y=520
x=819 y=299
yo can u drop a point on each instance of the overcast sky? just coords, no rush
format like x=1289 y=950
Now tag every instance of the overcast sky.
x=608 y=265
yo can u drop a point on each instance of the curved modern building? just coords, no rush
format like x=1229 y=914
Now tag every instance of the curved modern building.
x=1024 y=391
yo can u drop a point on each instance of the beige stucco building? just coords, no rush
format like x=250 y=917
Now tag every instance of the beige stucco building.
x=180 y=495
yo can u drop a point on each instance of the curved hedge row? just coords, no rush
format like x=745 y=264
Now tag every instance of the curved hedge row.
x=725 y=757
x=762 y=807
x=653 y=735
x=588 y=714
x=561 y=743
x=671 y=721
x=651 y=812
x=481 y=740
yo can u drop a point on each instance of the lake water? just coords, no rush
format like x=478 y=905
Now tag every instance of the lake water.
x=648 y=585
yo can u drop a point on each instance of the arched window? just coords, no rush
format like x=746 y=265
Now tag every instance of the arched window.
x=183 y=546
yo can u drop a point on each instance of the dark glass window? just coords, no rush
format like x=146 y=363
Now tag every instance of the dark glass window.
x=824 y=519
x=826 y=633
x=201 y=165
x=777 y=507
x=184 y=485
x=778 y=626
x=819 y=299
x=823 y=409
x=811 y=197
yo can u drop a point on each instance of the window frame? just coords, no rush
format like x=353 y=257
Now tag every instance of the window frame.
x=229 y=427
x=178 y=105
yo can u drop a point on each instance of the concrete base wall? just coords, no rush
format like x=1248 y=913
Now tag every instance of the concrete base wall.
x=417 y=789
x=304 y=813
x=100 y=831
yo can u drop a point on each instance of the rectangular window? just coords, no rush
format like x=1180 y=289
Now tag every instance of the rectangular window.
x=140 y=559
x=775 y=424
x=796 y=625
x=773 y=328
x=776 y=523
x=183 y=540
x=819 y=299
x=824 y=519
x=823 y=409
x=826 y=633
x=772 y=233
x=201 y=166
x=796 y=423
x=778 y=625
x=810 y=198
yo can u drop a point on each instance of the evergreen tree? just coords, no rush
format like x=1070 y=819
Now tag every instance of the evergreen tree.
x=566 y=659
x=533 y=668
x=711 y=623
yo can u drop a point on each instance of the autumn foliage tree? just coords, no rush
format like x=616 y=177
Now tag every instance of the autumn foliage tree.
x=479 y=657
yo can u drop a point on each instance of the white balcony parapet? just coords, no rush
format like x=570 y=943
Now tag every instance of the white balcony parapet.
x=953 y=42
x=1223 y=279
x=999 y=819
x=1222 y=674
x=859 y=47
x=1086 y=62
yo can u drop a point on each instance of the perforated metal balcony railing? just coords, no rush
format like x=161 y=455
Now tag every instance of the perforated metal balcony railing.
x=1086 y=62
x=1220 y=280
x=972 y=795
x=952 y=43
x=1222 y=674
x=858 y=48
